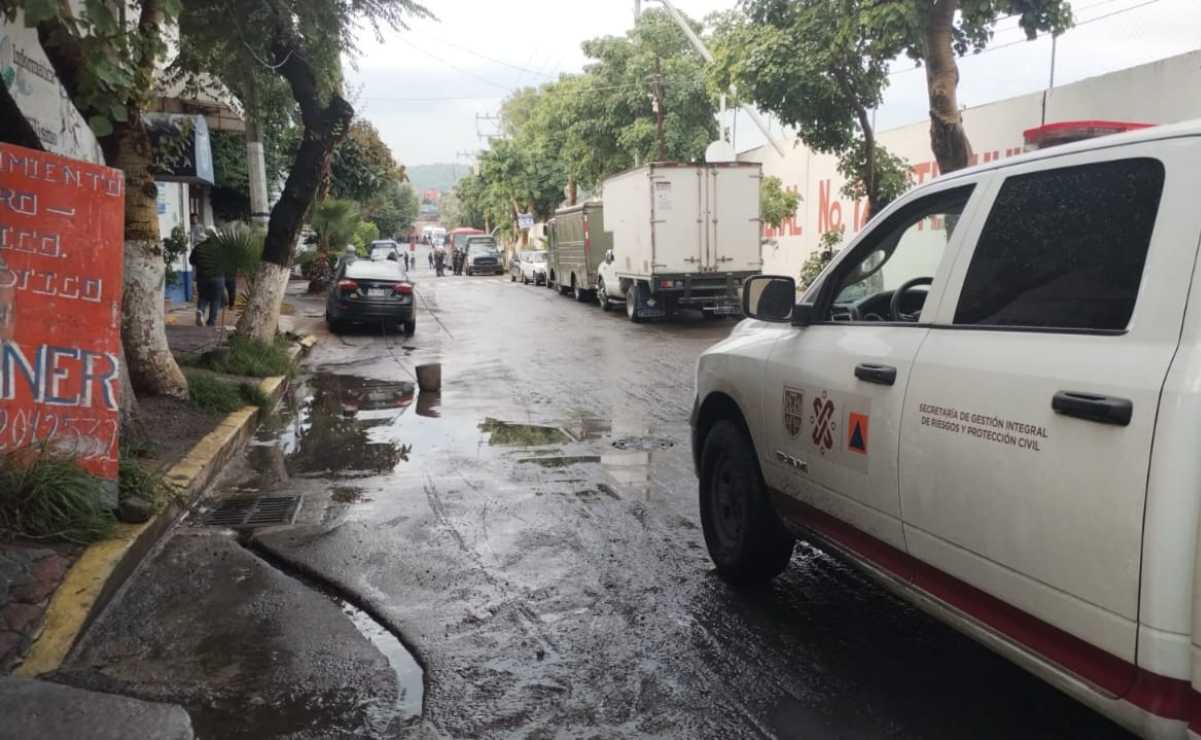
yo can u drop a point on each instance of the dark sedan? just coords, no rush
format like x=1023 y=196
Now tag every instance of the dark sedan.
x=371 y=292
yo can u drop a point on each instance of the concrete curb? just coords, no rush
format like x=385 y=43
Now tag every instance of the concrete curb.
x=105 y=566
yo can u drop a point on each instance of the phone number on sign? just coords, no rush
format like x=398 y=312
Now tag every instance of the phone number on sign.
x=84 y=437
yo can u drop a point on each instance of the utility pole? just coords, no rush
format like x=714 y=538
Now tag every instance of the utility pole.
x=658 y=105
x=637 y=10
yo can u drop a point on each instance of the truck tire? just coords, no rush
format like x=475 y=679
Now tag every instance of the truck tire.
x=579 y=293
x=602 y=296
x=632 y=304
x=744 y=536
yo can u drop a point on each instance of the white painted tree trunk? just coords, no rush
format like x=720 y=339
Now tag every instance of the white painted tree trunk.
x=260 y=316
x=143 y=329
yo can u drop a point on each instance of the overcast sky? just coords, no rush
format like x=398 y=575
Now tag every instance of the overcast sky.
x=424 y=87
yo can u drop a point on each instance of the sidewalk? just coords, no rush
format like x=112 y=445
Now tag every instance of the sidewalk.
x=191 y=444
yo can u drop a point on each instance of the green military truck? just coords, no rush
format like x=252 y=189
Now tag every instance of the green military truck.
x=576 y=245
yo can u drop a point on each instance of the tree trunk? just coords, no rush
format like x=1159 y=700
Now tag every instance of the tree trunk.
x=323 y=127
x=572 y=191
x=152 y=368
x=871 y=183
x=948 y=139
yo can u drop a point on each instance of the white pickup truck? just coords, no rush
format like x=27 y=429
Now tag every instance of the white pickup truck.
x=991 y=401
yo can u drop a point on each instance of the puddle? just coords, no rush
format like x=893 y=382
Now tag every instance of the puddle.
x=347 y=495
x=508 y=434
x=409 y=677
x=643 y=443
x=561 y=461
x=345 y=426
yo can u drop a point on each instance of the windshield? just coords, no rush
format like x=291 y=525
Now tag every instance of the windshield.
x=481 y=250
x=533 y=256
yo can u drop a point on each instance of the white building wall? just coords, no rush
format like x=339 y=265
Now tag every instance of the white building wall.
x=1161 y=92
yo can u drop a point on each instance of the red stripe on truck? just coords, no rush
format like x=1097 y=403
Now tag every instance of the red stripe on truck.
x=1171 y=698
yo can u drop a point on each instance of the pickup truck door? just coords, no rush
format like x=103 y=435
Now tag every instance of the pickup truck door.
x=834 y=389
x=1027 y=428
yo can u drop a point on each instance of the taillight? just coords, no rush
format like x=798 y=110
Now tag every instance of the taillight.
x=403 y=289
x=347 y=286
x=664 y=283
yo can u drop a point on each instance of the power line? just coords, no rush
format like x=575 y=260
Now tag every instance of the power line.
x=1006 y=45
x=494 y=60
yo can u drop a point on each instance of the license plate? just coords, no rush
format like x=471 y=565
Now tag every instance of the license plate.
x=378 y=292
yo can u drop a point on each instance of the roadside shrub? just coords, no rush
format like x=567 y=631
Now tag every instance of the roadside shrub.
x=249 y=357
x=47 y=496
x=220 y=396
x=137 y=480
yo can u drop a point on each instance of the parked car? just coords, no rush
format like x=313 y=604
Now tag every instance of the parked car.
x=528 y=267
x=483 y=258
x=382 y=248
x=365 y=291
x=989 y=402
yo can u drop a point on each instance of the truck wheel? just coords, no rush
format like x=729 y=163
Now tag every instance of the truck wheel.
x=743 y=534
x=579 y=293
x=602 y=297
x=632 y=304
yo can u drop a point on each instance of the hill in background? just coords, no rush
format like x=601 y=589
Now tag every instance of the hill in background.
x=442 y=176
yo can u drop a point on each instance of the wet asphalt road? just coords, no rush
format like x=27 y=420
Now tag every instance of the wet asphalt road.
x=532 y=536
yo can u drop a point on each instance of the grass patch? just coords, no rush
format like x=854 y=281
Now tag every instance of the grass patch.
x=45 y=496
x=136 y=479
x=242 y=356
x=218 y=396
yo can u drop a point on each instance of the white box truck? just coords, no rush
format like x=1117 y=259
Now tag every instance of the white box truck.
x=684 y=236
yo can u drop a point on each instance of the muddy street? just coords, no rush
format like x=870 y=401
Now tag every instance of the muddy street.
x=531 y=536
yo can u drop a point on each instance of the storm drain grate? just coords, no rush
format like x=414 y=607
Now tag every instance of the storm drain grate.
x=248 y=512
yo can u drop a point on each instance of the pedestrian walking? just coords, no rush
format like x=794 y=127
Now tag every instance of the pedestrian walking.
x=210 y=281
x=431 y=256
x=231 y=289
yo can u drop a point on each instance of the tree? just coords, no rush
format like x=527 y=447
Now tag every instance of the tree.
x=107 y=62
x=301 y=41
x=520 y=180
x=935 y=31
x=775 y=203
x=362 y=164
x=471 y=208
x=336 y=223
x=817 y=65
x=393 y=210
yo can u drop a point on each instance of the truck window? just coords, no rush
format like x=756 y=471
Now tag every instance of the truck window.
x=1064 y=248
x=909 y=245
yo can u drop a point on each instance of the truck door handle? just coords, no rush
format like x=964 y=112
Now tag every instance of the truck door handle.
x=1090 y=406
x=878 y=374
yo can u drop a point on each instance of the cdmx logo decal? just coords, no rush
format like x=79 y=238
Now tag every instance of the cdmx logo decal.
x=794 y=410
x=822 y=422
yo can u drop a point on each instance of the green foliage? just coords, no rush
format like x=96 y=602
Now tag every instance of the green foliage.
x=111 y=53
x=46 y=496
x=249 y=357
x=892 y=174
x=574 y=132
x=136 y=479
x=393 y=210
x=239 y=248
x=217 y=396
x=231 y=186
x=818 y=67
x=362 y=165
x=174 y=247
x=364 y=234
x=827 y=248
x=775 y=203
x=335 y=222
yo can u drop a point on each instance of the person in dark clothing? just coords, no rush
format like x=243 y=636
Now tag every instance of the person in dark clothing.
x=210 y=282
x=231 y=290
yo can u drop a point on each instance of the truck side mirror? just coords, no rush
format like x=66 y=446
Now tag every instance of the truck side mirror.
x=769 y=298
x=609 y=257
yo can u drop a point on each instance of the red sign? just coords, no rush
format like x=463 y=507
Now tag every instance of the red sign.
x=61 y=230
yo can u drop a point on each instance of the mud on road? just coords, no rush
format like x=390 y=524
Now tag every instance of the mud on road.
x=531 y=534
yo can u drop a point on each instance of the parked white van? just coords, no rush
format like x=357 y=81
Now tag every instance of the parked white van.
x=991 y=401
